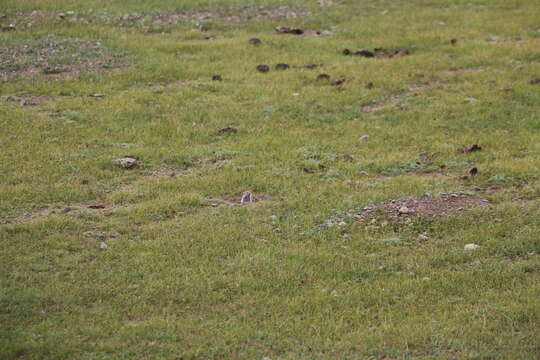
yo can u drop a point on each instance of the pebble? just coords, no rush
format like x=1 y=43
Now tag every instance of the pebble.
x=364 y=137
x=405 y=210
x=103 y=245
x=471 y=247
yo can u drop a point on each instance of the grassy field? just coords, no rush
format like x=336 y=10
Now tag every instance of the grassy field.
x=365 y=185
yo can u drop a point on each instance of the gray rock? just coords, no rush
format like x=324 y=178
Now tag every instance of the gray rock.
x=471 y=247
x=126 y=162
x=405 y=210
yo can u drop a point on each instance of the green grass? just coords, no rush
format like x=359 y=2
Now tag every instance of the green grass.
x=182 y=279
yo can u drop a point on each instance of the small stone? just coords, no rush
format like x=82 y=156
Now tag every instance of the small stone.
x=97 y=95
x=471 y=247
x=103 y=246
x=364 y=137
x=470 y=100
x=405 y=210
x=282 y=66
x=126 y=162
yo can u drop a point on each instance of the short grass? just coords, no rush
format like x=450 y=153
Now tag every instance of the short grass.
x=164 y=273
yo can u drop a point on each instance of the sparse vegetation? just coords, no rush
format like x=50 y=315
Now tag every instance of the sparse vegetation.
x=163 y=196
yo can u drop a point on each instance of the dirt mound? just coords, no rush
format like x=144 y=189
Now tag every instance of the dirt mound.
x=424 y=206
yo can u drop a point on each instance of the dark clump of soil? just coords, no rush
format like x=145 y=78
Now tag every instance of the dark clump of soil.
x=289 y=30
x=296 y=31
x=323 y=77
x=263 y=68
x=337 y=82
x=255 y=41
x=228 y=130
x=424 y=206
x=379 y=53
x=470 y=149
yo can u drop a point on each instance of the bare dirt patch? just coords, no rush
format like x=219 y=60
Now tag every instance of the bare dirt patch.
x=58 y=56
x=169 y=173
x=233 y=14
x=26 y=100
x=398 y=99
x=423 y=206
x=433 y=175
x=458 y=72
x=28 y=217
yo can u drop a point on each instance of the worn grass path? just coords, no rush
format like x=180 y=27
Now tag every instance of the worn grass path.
x=163 y=262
